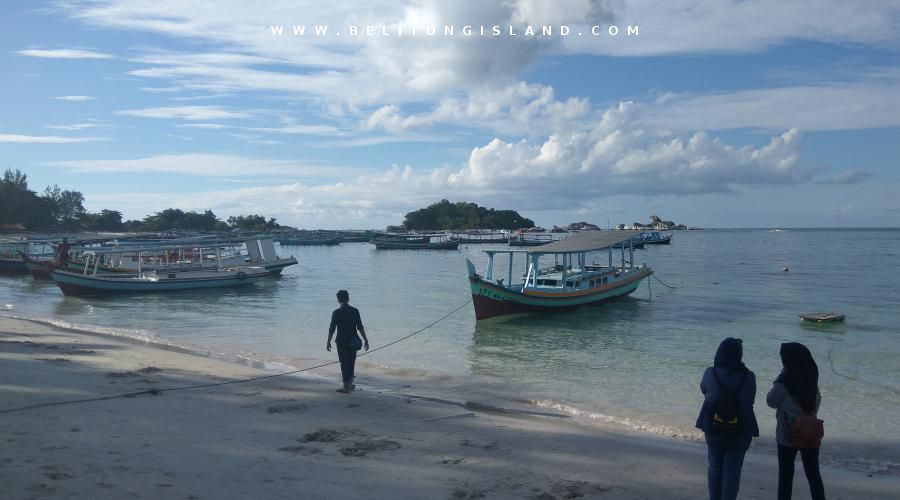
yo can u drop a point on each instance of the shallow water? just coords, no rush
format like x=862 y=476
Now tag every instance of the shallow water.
x=635 y=362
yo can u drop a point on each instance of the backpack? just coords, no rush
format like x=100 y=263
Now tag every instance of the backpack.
x=726 y=412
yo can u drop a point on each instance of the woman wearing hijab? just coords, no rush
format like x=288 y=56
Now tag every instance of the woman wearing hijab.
x=728 y=380
x=794 y=393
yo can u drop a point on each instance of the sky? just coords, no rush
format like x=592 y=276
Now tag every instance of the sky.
x=712 y=113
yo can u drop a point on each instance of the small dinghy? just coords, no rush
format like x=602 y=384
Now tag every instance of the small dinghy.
x=822 y=317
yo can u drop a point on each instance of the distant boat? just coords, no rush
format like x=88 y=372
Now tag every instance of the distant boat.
x=310 y=238
x=655 y=238
x=778 y=230
x=822 y=317
x=522 y=239
x=414 y=241
x=567 y=283
x=480 y=237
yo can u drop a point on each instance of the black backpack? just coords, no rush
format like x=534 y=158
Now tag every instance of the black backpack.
x=726 y=412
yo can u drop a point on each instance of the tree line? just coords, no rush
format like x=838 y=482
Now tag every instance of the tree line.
x=58 y=209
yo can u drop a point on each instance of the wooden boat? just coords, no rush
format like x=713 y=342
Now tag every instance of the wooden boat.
x=261 y=252
x=568 y=283
x=655 y=238
x=88 y=282
x=534 y=240
x=470 y=237
x=12 y=266
x=310 y=238
x=14 y=256
x=822 y=317
x=309 y=242
x=153 y=281
x=189 y=255
x=437 y=241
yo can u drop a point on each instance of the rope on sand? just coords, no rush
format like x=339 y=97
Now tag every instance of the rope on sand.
x=156 y=391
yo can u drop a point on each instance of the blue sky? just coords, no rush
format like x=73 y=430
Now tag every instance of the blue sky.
x=718 y=113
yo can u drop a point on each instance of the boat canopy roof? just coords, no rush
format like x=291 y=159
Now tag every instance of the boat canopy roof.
x=585 y=241
x=160 y=247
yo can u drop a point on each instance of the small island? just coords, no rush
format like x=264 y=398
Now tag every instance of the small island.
x=463 y=216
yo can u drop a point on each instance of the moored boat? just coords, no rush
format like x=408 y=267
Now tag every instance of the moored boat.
x=655 y=238
x=521 y=239
x=569 y=283
x=72 y=283
x=469 y=237
x=414 y=241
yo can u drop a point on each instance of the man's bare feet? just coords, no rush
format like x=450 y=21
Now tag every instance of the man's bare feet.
x=344 y=390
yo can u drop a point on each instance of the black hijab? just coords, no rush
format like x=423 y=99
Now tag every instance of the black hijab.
x=729 y=354
x=800 y=375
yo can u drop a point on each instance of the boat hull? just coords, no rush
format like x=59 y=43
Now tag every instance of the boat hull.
x=39 y=270
x=79 y=284
x=492 y=300
x=13 y=266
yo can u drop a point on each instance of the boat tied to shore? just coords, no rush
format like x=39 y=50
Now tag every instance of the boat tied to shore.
x=568 y=283
x=157 y=279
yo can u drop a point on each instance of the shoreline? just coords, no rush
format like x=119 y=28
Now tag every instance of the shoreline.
x=293 y=436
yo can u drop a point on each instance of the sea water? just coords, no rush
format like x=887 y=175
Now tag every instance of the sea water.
x=635 y=362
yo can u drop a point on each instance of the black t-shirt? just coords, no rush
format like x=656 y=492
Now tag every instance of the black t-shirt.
x=346 y=319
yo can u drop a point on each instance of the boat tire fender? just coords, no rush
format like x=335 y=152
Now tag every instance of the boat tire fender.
x=241 y=275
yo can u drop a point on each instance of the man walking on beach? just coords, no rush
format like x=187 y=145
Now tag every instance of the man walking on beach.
x=347 y=321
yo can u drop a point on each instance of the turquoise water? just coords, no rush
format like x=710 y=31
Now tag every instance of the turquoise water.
x=635 y=362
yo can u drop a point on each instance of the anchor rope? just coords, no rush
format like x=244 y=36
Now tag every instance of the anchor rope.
x=158 y=391
x=663 y=284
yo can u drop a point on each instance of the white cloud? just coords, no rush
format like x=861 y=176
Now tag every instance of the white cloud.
x=571 y=169
x=186 y=113
x=298 y=129
x=47 y=139
x=839 y=106
x=75 y=98
x=517 y=108
x=78 y=126
x=844 y=177
x=63 y=54
x=203 y=164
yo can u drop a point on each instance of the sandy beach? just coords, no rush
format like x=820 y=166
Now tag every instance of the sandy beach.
x=294 y=437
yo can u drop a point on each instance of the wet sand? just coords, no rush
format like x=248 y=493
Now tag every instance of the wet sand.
x=293 y=437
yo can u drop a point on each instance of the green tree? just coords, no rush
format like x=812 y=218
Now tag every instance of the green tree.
x=18 y=204
x=106 y=220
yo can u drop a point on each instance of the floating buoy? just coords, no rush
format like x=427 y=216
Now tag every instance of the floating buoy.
x=822 y=317
x=785 y=268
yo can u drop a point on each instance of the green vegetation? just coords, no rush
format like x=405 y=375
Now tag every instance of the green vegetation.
x=58 y=209
x=463 y=216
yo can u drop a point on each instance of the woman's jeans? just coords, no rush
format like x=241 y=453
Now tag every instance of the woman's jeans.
x=810 y=457
x=726 y=458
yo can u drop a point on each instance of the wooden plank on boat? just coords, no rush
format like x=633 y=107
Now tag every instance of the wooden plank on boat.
x=822 y=317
